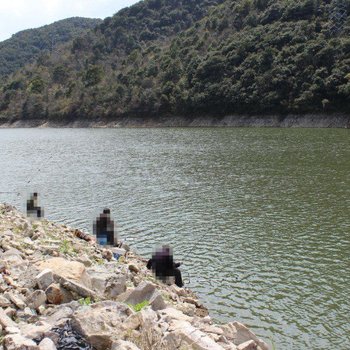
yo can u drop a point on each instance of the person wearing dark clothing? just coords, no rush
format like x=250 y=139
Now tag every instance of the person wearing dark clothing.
x=103 y=229
x=33 y=208
x=163 y=265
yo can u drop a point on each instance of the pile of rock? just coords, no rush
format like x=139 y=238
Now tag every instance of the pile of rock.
x=59 y=291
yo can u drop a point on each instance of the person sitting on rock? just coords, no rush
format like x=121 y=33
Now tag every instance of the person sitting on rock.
x=103 y=229
x=163 y=266
x=33 y=208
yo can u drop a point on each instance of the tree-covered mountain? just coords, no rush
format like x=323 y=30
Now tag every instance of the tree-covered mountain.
x=27 y=45
x=171 y=57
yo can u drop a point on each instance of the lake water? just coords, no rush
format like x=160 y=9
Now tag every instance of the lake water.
x=260 y=218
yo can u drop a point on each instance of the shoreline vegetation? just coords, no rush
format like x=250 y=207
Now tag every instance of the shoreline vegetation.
x=55 y=280
x=289 y=121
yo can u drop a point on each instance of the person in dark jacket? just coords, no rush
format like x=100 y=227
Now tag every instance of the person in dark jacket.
x=103 y=229
x=33 y=208
x=163 y=266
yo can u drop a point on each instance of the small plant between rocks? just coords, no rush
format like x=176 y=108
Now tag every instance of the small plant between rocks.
x=66 y=247
x=85 y=301
x=138 y=307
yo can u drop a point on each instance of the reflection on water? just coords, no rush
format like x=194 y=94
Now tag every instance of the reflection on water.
x=259 y=217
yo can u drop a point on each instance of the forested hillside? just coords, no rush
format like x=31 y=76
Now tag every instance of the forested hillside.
x=27 y=45
x=170 y=57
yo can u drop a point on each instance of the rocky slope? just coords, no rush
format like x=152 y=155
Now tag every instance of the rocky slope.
x=59 y=290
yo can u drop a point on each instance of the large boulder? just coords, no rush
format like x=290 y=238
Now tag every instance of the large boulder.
x=146 y=291
x=70 y=270
x=98 y=324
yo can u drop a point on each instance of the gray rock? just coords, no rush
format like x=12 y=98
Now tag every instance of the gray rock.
x=16 y=299
x=44 y=279
x=12 y=255
x=146 y=291
x=59 y=315
x=4 y=302
x=116 y=286
x=36 y=299
x=77 y=288
x=98 y=284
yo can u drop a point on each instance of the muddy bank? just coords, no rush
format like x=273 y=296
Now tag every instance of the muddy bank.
x=289 y=121
x=59 y=290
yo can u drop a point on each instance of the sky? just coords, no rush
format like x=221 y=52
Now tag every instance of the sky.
x=17 y=15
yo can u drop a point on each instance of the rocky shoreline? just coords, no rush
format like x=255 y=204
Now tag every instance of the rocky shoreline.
x=59 y=290
x=274 y=121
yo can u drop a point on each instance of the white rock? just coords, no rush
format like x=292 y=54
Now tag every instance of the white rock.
x=18 y=342
x=6 y=321
x=12 y=330
x=34 y=331
x=248 y=345
x=47 y=344
x=171 y=313
x=187 y=309
x=193 y=336
x=244 y=334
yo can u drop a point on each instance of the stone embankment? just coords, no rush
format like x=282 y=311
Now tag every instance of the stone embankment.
x=59 y=290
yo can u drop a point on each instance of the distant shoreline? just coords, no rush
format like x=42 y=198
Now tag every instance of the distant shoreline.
x=274 y=121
